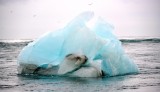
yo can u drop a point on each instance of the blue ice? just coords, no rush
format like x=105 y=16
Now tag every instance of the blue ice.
x=97 y=43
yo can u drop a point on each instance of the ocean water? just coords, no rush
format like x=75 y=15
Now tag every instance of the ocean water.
x=144 y=52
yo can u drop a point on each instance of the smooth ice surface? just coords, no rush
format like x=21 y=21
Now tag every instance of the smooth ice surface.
x=97 y=43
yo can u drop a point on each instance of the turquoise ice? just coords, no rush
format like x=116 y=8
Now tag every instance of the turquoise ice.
x=98 y=43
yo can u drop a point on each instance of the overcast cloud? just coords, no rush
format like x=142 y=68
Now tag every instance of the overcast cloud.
x=28 y=19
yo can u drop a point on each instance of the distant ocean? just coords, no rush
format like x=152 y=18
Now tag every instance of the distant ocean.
x=144 y=51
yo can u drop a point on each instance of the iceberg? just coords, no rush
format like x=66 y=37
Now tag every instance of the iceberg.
x=98 y=44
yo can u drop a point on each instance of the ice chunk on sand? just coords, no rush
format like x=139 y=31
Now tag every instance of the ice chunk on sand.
x=97 y=44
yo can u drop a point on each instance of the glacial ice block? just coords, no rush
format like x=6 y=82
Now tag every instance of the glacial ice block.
x=97 y=43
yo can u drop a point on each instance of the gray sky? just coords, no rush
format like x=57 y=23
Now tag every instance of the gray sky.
x=28 y=19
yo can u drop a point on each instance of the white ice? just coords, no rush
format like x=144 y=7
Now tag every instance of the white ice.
x=97 y=43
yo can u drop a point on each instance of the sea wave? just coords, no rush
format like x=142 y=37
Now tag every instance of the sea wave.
x=4 y=43
x=154 y=40
x=7 y=43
